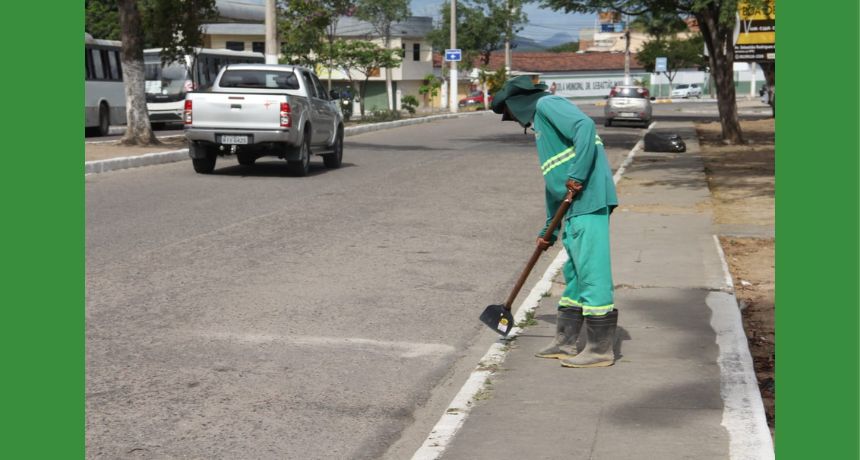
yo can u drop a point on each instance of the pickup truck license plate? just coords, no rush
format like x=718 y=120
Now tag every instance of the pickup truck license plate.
x=234 y=140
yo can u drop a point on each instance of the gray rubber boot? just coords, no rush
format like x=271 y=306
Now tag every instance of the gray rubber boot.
x=599 y=350
x=567 y=326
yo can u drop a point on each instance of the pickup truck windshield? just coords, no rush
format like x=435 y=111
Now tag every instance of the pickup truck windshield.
x=268 y=79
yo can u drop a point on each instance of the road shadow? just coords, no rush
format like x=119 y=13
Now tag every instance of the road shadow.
x=274 y=169
x=394 y=147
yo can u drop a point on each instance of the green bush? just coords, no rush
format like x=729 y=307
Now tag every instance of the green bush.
x=409 y=103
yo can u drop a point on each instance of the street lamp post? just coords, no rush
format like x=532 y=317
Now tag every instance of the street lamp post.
x=271 y=33
x=452 y=91
x=627 y=50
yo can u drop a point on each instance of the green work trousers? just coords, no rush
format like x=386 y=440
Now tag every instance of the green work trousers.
x=588 y=270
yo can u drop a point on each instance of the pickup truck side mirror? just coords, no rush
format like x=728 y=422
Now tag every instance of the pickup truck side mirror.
x=334 y=95
x=653 y=98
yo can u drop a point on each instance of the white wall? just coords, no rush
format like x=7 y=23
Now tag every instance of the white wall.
x=587 y=84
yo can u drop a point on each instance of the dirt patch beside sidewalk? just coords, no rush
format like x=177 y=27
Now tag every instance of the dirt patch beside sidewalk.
x=741 y=179
x=113 y=149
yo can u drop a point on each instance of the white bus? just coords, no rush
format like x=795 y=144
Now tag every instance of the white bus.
x=104 y=103
x=166 y=85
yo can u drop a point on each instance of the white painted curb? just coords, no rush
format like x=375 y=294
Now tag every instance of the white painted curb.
x=455 y=415
x=114 y=164
x=743 y=408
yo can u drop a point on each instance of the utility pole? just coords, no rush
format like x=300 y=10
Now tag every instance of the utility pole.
x=271 y=33
x=627 y=50
x=752 y=80
x=508 y=28
x=452 y=91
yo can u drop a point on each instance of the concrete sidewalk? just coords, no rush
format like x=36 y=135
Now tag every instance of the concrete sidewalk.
x=682 y=386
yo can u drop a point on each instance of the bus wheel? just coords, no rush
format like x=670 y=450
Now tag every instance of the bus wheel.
x=104 y=120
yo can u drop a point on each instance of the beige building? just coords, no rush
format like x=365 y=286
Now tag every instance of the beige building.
x=409 y=36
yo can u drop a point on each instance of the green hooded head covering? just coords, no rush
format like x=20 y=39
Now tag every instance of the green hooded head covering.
x=519 y=95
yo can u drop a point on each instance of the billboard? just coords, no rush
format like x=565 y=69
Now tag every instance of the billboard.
x=755 y=32
x=613 y=27
x=609 y=17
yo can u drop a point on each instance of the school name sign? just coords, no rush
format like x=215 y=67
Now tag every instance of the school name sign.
x=587 y=86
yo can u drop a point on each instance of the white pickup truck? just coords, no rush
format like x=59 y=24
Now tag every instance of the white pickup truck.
x=256 y=110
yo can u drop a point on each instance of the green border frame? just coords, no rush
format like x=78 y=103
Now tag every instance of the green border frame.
x=817 y=227
x=43 y=411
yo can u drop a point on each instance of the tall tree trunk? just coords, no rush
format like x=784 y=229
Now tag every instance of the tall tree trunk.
x=138 y=130
x=363 y=91
x=389 y=89
x=721 y=52
x=769 y=70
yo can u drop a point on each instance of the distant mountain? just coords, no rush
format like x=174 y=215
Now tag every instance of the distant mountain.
x=527 y=44
x=560 y=38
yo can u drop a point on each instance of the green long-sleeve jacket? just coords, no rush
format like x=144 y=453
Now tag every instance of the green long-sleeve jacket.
x=569 y=148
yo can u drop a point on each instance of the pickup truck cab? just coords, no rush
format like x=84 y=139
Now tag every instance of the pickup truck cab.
x=256 y=110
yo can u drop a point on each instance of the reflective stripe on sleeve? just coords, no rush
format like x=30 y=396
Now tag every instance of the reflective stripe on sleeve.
x=558 y=160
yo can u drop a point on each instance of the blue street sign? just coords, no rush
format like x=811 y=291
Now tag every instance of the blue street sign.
x=660 y=65
x=453 y=55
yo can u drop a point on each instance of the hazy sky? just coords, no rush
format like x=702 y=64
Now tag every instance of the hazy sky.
x=542 y=23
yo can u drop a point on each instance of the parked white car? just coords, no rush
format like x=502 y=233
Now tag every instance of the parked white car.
x=687 y=90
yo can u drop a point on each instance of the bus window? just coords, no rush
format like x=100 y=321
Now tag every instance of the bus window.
x=88 y=58
x=106 y=70
x=98 y=68
x=114 y=66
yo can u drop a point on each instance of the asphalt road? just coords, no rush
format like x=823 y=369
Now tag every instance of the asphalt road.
x=703 y=110
x=250 y=314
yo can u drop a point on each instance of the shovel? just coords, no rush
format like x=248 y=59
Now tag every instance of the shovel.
x=498 y=317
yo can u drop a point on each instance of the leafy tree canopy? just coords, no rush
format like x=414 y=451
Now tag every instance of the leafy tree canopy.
x=679 y=54
x=171 y=24
x=570 y=47
x=381 y=14
x=482 y=27
x=302 y=30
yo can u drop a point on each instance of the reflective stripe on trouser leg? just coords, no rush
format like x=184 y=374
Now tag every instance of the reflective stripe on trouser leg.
x=570 y=297
x=586 y=238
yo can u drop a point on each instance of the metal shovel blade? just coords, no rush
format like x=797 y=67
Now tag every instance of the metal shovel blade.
x=498 y=318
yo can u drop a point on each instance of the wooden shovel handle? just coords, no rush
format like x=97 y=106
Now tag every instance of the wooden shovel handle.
x=556 y=220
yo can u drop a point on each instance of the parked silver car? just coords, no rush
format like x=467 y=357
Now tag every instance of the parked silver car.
x=687 y=90
x=628 y=103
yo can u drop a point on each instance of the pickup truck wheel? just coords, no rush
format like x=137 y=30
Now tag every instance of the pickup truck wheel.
x=246 y=160
x=302 y=166
x=204 y=165
x=333 y=160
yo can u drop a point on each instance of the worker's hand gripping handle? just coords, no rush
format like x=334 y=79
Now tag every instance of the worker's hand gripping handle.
x=556 y=220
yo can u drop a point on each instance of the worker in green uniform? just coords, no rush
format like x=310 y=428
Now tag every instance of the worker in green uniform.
x=572 y=158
